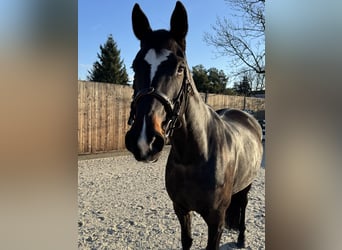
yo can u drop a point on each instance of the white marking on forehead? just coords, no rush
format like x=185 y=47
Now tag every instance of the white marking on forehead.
x=155 y=60
x=142 y=142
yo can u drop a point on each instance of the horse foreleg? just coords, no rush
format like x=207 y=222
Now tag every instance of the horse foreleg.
x=215 y=222
x=214 y=237
x=184 y=218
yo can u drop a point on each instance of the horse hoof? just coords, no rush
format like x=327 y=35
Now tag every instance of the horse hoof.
x=240 y=244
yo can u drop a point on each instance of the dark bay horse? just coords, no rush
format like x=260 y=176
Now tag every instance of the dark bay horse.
x=214 y=156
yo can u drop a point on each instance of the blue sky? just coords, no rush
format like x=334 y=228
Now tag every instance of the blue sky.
x=98 y=19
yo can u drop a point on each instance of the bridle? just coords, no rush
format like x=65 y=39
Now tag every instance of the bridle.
x=172 y=107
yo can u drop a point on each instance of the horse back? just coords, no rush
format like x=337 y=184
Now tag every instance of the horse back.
x=240 y=117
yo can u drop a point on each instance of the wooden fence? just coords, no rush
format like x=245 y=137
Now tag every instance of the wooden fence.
x=103 y=111
x=239 y=102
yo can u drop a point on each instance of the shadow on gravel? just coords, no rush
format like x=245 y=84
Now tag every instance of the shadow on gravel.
x=231 y=245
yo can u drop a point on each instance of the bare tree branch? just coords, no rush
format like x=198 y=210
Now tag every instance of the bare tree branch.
x=244 y=44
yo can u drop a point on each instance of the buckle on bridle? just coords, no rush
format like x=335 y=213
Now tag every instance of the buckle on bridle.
x=170 y=127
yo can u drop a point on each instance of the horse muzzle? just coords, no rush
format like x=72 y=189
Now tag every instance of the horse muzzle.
x=145 y=144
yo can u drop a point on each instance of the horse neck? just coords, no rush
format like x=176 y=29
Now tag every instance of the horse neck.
x=190 y=141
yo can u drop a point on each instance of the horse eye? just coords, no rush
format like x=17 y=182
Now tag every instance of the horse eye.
x=180 y=70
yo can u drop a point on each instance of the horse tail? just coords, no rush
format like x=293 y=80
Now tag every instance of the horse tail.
x=235 y=213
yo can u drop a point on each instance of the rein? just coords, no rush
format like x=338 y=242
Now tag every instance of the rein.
x=172 y=108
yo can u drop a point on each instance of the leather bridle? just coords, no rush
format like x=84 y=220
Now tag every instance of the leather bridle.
x=172 y=108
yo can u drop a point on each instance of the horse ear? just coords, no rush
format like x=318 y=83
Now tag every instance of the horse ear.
x=179 y=24
x=140 y=23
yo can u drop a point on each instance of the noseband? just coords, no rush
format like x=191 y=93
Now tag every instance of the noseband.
x=172 y=108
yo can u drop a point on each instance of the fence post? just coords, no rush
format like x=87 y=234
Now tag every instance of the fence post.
x=244 y=102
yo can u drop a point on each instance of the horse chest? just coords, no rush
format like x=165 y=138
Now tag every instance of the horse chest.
x=193 y=188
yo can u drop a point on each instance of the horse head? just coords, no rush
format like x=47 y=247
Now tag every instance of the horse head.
x=160 y=83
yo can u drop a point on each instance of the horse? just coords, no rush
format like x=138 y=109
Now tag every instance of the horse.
x=214 y=156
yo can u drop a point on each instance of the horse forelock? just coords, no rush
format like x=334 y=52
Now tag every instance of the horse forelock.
x=160 y=39
x=157 y=48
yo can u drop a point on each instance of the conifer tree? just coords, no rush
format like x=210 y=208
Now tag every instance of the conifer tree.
x=244 y=87
x=110 y=68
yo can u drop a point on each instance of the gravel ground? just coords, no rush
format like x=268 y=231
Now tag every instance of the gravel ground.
x=123 y=204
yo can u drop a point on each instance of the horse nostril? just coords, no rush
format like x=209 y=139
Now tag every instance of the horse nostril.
x=128 y=141
x=158 y=143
